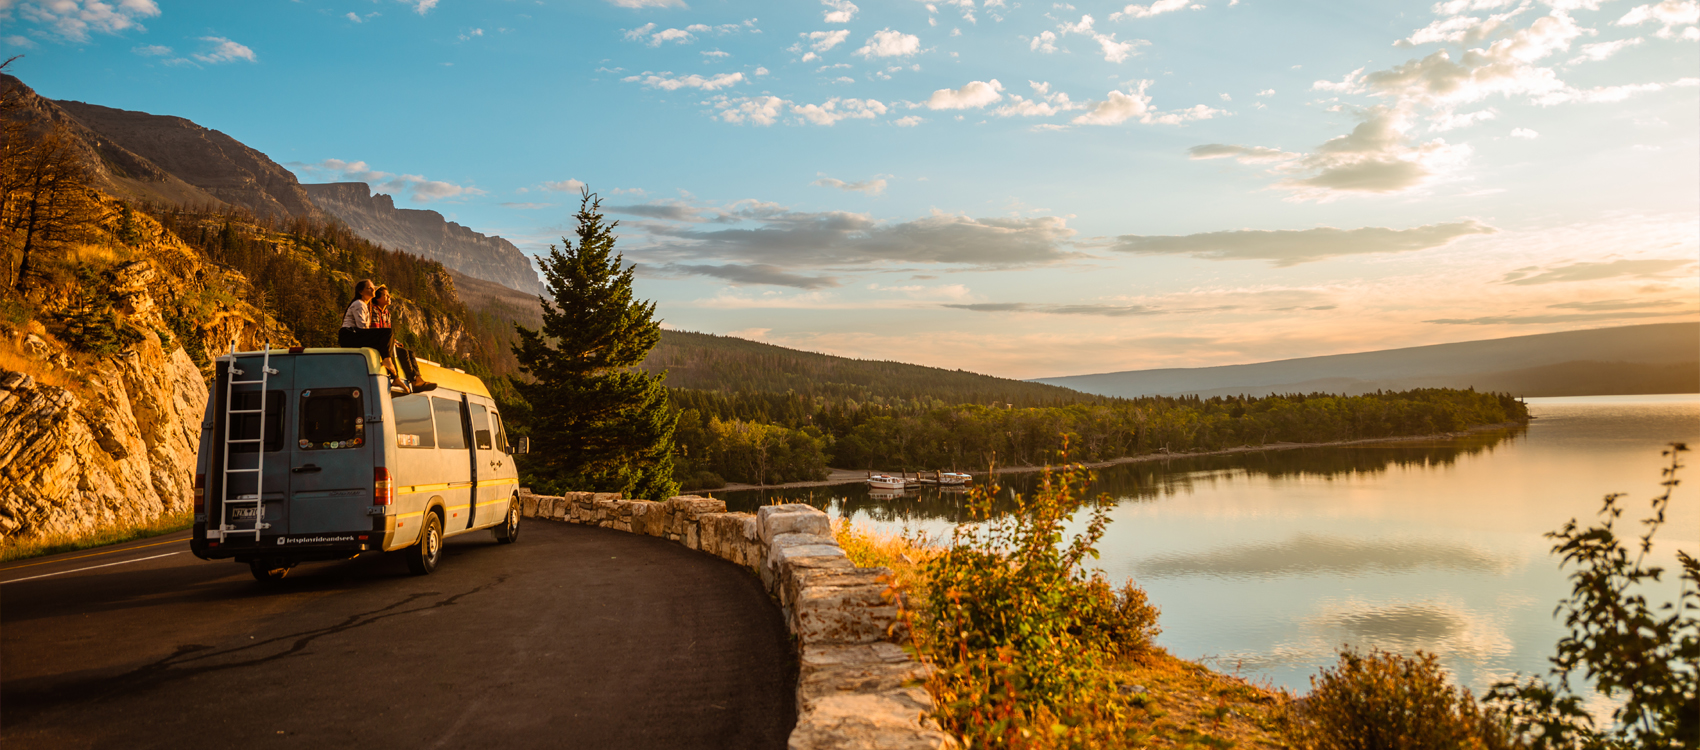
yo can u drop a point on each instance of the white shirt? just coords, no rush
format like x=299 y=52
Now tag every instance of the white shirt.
x=356 y=317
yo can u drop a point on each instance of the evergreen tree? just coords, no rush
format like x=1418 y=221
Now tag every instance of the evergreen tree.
x=598 y=423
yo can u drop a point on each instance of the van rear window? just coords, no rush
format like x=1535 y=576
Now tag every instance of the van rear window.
x=413 y=422
x=332 y=418
x=451 y=436
x=481 y=427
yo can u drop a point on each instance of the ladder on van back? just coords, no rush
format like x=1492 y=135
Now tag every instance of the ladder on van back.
x=255 y=499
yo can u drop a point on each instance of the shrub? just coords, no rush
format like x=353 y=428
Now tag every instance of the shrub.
x=1646 y=659
x=1020 y=634
x=1383 y=701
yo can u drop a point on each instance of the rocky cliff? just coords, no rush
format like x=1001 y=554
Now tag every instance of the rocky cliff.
x=93 y=440
x=426 y=233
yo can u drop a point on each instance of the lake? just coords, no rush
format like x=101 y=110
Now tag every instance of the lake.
x=1264 y=563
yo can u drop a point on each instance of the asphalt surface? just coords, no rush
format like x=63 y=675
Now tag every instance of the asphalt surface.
x=572 y=637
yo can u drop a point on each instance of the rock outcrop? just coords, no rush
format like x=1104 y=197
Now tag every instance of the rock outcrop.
x=91 y=442
x=427 y=234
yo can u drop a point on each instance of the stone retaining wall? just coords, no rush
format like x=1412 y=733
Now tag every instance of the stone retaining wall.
x=856 y=688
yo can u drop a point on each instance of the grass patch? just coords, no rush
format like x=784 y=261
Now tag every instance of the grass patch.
x=53 y=545
x=906 y=555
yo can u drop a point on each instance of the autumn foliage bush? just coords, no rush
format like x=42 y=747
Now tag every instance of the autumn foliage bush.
x=1021 y=633
x=1383 y=701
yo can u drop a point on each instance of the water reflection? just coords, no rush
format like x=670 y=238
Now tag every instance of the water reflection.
x=1307 y=554
x=1145 y=480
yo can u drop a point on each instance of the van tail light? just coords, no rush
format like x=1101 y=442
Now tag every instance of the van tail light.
x=200 y=493
x=383 y=488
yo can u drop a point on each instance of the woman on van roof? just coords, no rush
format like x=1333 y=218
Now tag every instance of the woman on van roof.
x=357 y=331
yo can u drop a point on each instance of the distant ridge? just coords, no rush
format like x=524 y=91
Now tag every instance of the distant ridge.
x=427 y=233
x=1652 y=358
x=143 y=157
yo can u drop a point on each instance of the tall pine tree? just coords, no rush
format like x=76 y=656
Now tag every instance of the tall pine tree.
x=597 y=422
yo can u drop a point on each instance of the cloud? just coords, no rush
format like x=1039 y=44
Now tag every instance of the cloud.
x=223 y=51
x=1290 y=247
x=1497 y=320
x=416 y=187
x=840 y=11
x=151 y=50
x=1604 y=50
x=1386 y=154
x=888 y=43
x=819 y=41
x=1586 y=271
x=420 y=6
x=1241 y=154
x=1616 y=304
x=1147 y=11
x=648 y=3
x=753 y=274
x=836 y=108
x=75 y=19
x=1119 y=108
x=1044 y=104
x=794 y=239
x=563 y=186
x=868 y=187
x=1524 y=133
x=24 y=42
x=973 y=95
x=759 y=110
x=664 y=209
x=1045 y=42
x=692 y=81
x=908 y=122
x=1109 y=311
x=1669 y=14
x=1113 y=50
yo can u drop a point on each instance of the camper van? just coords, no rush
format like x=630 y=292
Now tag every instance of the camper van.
x=307 y=455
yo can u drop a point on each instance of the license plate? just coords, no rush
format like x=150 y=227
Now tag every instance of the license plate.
x=244 y=514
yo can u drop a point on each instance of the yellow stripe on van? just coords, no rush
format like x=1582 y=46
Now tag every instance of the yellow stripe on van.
x=495 y=482
x=424 y=488
x=451 y=380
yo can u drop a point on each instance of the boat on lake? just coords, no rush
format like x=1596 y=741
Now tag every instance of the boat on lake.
x=887 y=482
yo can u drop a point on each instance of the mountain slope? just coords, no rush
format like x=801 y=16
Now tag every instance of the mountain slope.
x=212 y=161
x=1652 y=358
x=117 y=170
x=426 y=233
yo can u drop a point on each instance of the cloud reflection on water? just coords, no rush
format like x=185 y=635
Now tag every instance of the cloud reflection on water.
x=1307 y=554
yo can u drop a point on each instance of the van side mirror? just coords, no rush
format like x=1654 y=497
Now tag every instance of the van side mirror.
x=519 y=445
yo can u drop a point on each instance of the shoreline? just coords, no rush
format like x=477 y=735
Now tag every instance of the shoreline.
x=847 y=476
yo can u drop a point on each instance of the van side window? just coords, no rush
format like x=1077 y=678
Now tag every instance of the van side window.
x=451 y=436
x=501 y=434
x=481 y=427
x=247 y=426
x=413 y=422
x=332 y=418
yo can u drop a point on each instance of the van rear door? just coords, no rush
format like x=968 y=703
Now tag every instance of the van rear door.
x=330 y=471
x=244 y=455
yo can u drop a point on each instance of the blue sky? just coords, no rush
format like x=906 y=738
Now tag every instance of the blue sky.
x=1019 y=188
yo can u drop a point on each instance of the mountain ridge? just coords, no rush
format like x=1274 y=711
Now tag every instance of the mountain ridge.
x=1508 y=364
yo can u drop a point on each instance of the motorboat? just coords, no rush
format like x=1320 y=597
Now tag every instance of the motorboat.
x=886 y=482
x=953 y=479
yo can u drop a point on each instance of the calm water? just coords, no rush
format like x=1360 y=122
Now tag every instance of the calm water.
x=1266 y=562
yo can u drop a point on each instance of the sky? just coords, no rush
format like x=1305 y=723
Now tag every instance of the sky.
x=1025 y=189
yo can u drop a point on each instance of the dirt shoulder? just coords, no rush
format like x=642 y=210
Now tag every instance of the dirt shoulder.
x=849 y=476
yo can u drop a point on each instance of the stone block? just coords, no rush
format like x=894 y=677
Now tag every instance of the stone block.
x=731 y=536
x=803 y=519
x=889 y=720
x=828 y=670
x=528 y=505
x=649 y=519
x=840 y=606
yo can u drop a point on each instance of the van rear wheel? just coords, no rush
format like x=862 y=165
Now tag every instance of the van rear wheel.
x=508 y=532
x=422 y=557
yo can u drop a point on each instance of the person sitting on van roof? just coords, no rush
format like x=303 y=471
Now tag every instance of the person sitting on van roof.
x=380 y=308
x=357 y=332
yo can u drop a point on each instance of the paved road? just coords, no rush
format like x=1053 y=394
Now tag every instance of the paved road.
x=573 y=637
